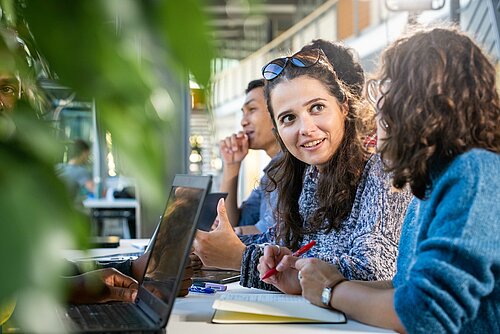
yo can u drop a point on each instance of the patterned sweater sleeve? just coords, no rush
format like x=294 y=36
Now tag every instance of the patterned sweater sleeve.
x=378 y=214
x=249 y=274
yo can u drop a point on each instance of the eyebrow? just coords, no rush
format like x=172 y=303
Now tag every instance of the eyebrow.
x=5 y=81
x=305 y=104
x=248 y=102
x=313 y=100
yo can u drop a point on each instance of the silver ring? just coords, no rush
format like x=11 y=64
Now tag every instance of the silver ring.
x=299 y=276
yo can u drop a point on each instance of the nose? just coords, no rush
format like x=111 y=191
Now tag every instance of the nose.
x=2 y=105
x=307 y=126
x=244 y=120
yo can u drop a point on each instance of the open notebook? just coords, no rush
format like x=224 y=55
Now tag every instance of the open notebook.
x=270 y=308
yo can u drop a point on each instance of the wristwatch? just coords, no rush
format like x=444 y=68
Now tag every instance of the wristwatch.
x=326 y=295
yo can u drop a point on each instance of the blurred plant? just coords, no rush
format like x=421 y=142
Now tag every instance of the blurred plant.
x=131 y=57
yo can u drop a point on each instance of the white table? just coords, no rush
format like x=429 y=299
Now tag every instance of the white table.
x=192 y=314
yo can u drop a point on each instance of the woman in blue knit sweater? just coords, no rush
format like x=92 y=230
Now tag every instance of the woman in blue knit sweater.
x=438 y=120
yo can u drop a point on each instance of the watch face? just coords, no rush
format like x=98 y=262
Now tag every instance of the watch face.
x=326 y=296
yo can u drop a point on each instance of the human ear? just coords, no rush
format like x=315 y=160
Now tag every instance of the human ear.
x=345 y=108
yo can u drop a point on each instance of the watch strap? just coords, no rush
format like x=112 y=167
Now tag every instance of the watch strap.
x=329 y=290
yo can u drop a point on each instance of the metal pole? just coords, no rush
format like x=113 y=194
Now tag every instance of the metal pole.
x=455 y=11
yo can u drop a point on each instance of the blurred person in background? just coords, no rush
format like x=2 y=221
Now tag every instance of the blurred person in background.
x=76 y=173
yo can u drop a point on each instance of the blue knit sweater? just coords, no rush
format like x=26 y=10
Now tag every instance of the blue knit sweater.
x=448 y=270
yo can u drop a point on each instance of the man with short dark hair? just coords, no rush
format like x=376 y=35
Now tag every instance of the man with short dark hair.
x=255 y=214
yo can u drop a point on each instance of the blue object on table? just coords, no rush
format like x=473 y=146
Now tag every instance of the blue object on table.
x=199 y=289
x=216 y=286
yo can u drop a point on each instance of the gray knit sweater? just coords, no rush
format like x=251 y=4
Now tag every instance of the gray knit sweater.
x=366 y=245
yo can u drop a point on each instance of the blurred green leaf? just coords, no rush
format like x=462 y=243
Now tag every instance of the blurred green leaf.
x=192 y=47
x=129 y=56
x=35 y=205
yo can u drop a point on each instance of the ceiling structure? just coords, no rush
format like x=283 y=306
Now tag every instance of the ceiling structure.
x=239 y=29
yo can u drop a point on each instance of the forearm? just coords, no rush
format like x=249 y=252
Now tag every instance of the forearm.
x=229 y=184
x=234 y=261
x=376 y=284
x=367 y=302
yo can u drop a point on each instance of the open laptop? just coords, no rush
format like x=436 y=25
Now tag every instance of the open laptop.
x=170 y=249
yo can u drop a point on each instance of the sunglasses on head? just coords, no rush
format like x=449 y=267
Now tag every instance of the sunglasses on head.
x=303 y=59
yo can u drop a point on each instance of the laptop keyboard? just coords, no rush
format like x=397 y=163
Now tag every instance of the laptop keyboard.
x=108 y=316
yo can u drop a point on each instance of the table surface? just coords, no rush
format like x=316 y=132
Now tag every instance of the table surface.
x=193 y=313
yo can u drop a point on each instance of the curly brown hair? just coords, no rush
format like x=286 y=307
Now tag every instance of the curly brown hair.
x=343 y=76
x=442 y=102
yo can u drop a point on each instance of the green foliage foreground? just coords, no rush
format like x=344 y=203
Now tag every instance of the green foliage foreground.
x=131 y=57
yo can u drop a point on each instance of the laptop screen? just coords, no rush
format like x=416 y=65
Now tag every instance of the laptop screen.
x=172 y=244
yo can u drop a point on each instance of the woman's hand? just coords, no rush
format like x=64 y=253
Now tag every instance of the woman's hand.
x=221 y=247
x=316 y=275
x=286 y=278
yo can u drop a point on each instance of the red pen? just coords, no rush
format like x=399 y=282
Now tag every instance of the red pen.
x=301 y=251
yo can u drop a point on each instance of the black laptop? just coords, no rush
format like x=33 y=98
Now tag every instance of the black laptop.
x=170 y=249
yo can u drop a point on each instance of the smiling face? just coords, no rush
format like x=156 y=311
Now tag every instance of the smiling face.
x=310 y=120
x=256 y=122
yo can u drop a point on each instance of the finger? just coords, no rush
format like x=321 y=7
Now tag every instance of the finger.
x=240 y=134
x=287 y=262
x=264 y=265
x=233 y=143
x=272 y=250
x=244 y=143
x=222 y=217
x=124 y=281
x=263 y=268
x=301 y=263
x=226 y=145
x=223 y=145
x=195 y=261
x=122 y=294
x=271 y=253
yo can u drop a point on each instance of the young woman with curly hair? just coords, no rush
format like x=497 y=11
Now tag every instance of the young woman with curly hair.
x=438 y=125
x=330 y=189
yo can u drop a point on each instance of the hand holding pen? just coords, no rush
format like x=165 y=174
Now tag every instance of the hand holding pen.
x=300 y=252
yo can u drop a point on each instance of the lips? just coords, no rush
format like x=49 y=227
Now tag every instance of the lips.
x=249 y=133
x=313 y=143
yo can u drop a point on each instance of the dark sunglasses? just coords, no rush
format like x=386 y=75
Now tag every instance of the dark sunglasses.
x=306 y=58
